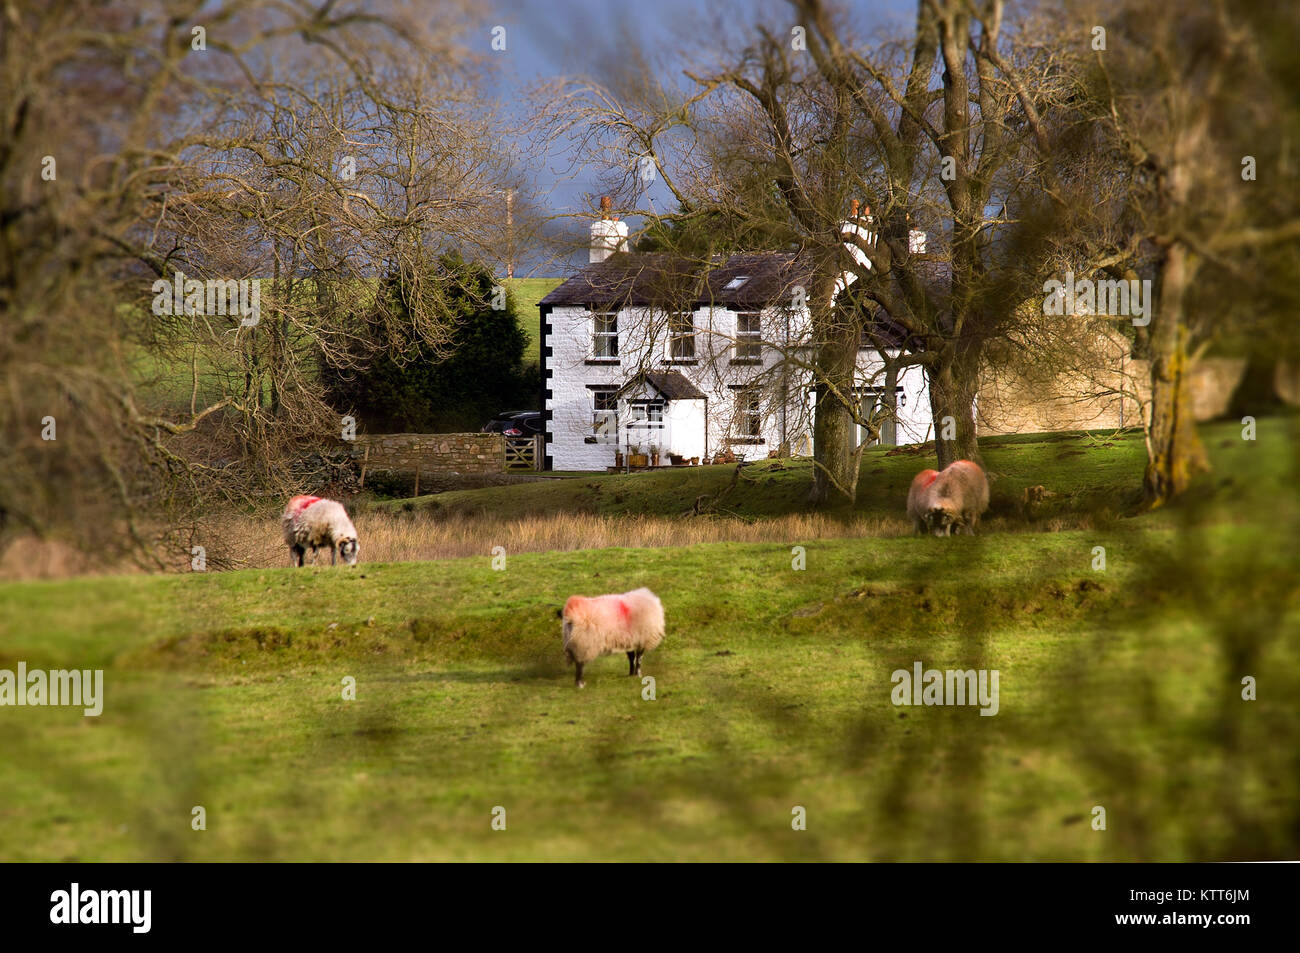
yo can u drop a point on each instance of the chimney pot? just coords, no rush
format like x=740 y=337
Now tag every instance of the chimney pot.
x=608 y=234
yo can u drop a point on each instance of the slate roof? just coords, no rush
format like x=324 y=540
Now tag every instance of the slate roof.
x=660 y=278
x=641 y=279
x=672 y=384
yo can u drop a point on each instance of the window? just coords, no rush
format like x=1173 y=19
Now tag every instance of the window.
x=604 y=337
x=604 y=415
x=749 y=414
x=736 y=283
x=681 y=336
x=646 y=414
x=749 y=341
x=872 y=403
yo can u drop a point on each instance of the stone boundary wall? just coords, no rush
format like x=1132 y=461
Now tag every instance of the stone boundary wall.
x=1008 y=404
x=431 y=454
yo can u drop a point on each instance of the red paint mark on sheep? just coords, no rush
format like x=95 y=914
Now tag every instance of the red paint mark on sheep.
x=926 y=477
x=623 y=610
x=300 y=503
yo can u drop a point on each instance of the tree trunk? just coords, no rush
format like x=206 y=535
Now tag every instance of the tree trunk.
x=1256 y=392
x=1176 y=453
x=834 y=433
x=954 y=382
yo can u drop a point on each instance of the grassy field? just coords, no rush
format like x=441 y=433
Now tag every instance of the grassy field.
x=527 y=292
x=1094 y=478
x=1119 y=688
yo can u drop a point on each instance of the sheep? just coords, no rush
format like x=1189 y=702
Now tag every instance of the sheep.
x=949 y=501
x=916 y=498
x=315 y=522
x=604 y=625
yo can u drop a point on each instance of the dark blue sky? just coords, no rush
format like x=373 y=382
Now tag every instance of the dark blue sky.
x=551 y=39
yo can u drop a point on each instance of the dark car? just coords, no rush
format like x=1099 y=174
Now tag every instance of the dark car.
x=515 y=423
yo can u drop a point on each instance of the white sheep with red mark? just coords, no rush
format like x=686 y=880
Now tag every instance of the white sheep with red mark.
x=916 y=498
x=316 y=522
x=632 y=622
x=949 y=501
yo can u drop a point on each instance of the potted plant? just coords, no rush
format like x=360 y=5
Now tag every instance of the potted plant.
x=654 y=455
x=618 y=459
x=635 y=458
x=695 y=461
x=676 y=459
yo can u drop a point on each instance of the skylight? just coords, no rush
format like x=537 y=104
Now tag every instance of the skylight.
x=735 y=283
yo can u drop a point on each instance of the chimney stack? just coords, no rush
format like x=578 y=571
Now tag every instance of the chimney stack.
x=608 y=234
x=916 y=238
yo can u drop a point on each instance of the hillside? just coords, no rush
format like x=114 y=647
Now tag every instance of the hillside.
x=1097 y=475
x=527 y=292
x=1119 y=688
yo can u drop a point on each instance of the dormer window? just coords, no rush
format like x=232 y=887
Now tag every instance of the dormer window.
x=735 y=284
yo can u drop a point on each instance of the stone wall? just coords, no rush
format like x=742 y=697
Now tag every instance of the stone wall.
x=432 y=454
x=1100 y=400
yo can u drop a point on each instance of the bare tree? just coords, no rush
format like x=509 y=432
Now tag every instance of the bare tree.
x=807 y=118
x=1191 y=100
x=289 y=153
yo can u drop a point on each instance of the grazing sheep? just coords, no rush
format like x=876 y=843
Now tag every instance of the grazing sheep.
x=315 y=522
x=632 y=622
x=951 y=501
x=916 y=498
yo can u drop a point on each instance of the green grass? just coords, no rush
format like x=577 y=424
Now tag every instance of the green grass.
x=1119 y=688
x=527 y=292
x=1096 y=473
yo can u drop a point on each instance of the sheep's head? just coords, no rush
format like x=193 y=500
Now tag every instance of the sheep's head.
x=349 y=550
x=941 y=521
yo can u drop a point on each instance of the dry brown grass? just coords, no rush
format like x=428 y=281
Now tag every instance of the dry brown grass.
x=243 y=542
x=404 y=537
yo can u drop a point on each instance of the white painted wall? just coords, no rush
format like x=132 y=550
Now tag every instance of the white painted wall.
x=642 y=345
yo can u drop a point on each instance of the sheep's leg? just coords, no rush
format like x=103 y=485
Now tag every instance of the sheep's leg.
x=577 y=678
x=639 y=653
x=334 y=555
x=296 y=554
x=631 y=663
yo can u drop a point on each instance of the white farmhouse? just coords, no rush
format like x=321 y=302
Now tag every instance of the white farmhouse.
x=644 y=352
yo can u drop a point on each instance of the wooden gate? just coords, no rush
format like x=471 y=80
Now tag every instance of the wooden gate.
x=524 y=453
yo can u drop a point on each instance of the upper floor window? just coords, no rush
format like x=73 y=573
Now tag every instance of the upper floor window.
x=604 y=337
x=681 y=336
x=749 y=341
